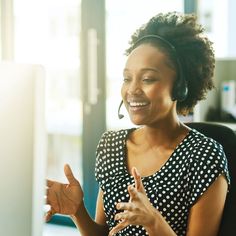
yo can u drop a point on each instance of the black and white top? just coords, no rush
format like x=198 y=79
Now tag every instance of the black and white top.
x=193 y=166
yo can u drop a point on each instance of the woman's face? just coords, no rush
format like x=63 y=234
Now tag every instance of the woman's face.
x=147 y=86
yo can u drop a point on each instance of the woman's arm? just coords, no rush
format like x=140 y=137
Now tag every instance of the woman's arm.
x=86 y=225
x=205 y=215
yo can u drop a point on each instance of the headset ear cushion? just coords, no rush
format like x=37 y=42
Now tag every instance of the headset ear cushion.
x=180 y=90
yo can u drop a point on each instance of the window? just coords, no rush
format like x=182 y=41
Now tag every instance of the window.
x=47 y=33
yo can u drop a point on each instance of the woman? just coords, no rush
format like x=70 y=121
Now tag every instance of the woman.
x=161 y=178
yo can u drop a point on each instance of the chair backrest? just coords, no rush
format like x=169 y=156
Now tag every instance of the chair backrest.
x=227 y=138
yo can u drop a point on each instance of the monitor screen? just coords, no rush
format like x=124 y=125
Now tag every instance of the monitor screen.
x=22 y=149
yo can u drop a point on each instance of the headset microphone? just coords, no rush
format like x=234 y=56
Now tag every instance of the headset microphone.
x=119 y=114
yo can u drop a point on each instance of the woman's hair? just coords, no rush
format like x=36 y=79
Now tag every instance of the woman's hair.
x=190 y=48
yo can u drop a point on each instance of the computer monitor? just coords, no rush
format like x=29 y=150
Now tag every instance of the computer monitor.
x=22 y=149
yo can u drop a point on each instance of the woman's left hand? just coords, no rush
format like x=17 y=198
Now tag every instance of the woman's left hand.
x=138 y=211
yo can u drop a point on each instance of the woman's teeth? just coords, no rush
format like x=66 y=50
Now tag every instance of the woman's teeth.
x=137 y=104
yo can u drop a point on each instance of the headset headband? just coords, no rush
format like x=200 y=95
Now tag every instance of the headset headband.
x=153 y=36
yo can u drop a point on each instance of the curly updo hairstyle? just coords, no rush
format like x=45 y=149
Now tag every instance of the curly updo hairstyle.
x=194 y=51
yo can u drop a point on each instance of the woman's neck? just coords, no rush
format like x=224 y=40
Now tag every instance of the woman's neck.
x=162 y=134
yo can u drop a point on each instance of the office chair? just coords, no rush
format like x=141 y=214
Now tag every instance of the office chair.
x=227 y=138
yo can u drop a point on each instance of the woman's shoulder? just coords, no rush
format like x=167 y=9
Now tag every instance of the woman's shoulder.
x=112 y=136
x=209 y=155
x=202 y=141
x=110 y=154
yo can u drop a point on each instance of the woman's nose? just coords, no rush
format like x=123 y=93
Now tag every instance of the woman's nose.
x=134 y=89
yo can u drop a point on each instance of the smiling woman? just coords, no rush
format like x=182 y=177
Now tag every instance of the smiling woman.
x=162 y=177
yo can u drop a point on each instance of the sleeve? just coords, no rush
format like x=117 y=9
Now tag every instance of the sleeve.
x=208 y=163
x=100 y=164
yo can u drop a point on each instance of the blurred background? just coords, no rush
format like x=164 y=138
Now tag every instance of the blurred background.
x=81 y=45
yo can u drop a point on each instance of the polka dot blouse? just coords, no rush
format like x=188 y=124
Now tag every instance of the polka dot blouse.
x=195 y=163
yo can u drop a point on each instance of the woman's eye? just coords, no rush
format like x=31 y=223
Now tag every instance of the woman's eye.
x=126 y=80
x=149 y=80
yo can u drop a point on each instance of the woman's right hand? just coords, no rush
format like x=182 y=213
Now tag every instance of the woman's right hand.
x=64 y=198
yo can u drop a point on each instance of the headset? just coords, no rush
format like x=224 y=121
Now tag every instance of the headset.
x=180 y=88
x=120 y=116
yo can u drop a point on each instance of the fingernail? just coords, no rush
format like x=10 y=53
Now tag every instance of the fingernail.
x=118 y=206
x=131 y=187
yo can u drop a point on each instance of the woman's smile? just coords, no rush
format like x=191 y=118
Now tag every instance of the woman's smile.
x=137 y=106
